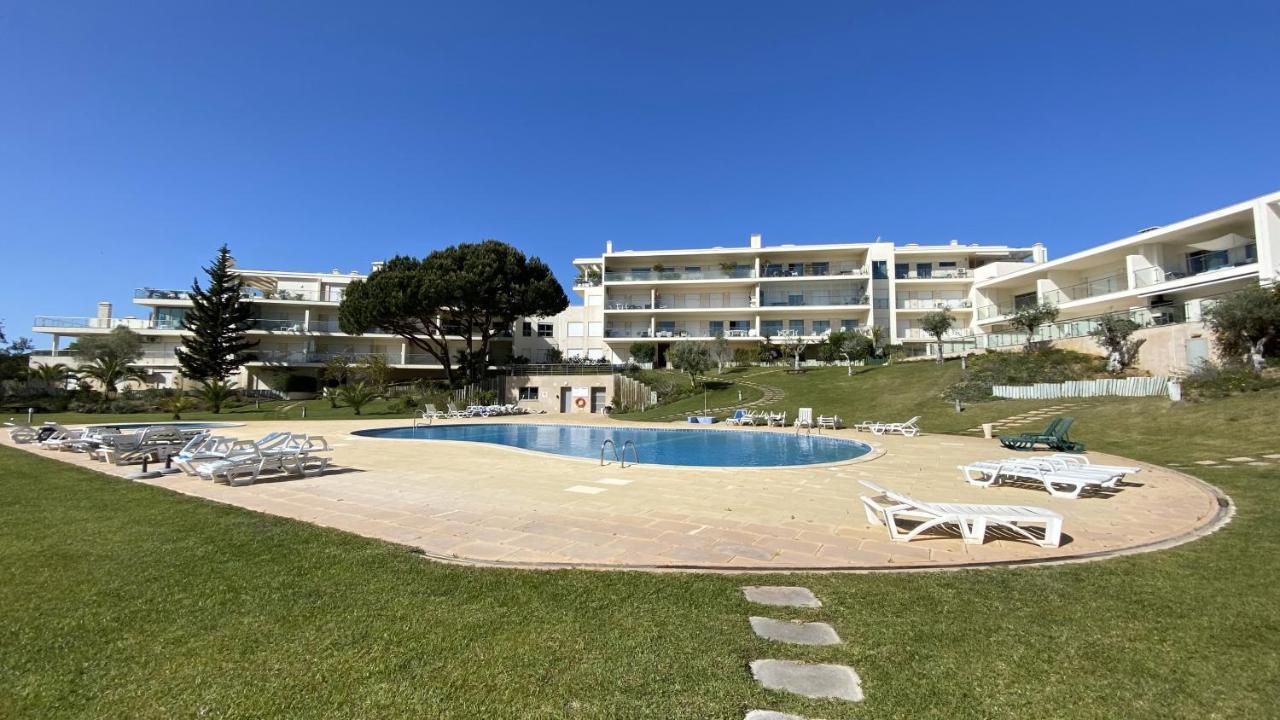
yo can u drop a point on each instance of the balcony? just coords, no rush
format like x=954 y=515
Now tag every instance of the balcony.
x=934 y=304
x=1198 y=263
x=1153 y=316
x=705 y=301
x=813 y=269
x=665 y=275
x=934 y=274
x=802 y=298
x=629 y=303
x=920 y=334
x=1085 y=290
x=95 y=323
x=616 y=331
x=991 y=312
x=157 y=294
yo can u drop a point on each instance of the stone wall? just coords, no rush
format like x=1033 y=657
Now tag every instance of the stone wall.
x=1163 y=353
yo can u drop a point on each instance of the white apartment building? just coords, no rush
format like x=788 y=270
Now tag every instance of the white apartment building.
x=295 y=321
x=1161 y=277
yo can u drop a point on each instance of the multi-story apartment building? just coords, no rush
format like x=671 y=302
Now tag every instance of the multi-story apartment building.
x=295 y=321
x=756 y=292
x=1162 y=277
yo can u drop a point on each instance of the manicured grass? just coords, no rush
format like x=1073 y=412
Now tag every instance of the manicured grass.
x=123 y=600
x=318 y=409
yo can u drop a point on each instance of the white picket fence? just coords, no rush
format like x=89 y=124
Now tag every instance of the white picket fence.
x=1123 y=387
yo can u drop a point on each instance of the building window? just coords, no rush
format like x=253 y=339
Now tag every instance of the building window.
x=879 y=270
x=528 y=393
x=848 y=325
x=595 y=329
x=821 y=326
x=1025 y=300
x=769 y=328
x=595 y=353
x=796 y=327
x=715 y=327
x=574 y=329
x=526 y=329
x=546 y=330
x=901 y=271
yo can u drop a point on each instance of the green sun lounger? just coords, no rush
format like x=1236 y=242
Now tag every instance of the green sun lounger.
x=1054 y=436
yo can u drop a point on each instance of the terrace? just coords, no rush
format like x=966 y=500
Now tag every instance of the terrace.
x=800 y=296
x=690 y=273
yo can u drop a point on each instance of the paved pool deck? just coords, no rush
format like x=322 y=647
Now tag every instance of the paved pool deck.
x=485 y=504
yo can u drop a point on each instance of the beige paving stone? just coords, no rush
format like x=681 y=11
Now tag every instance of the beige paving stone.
x=1241 y=459
x=514 y=504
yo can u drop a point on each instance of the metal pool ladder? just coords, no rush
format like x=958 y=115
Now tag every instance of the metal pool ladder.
x=620 y=458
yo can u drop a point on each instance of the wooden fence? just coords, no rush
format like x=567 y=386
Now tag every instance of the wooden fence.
x=631 y=395
x=1122 y=387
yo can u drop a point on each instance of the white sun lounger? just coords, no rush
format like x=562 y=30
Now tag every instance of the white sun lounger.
x=890 y=507
x=1072 y=459
x=739 y=417
x=804 y=418
x=907 y=429
x=431 y=413
x=296 y=455
x=1056 y=481
x=23 y=434
x=828 y=422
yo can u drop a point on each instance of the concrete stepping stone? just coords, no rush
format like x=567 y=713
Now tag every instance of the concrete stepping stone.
x=812 y=680
x=781 y=595
x=770 y=715
x=1206 y=462
x=1242 y=458
x=1272 y=457
x=796 y=633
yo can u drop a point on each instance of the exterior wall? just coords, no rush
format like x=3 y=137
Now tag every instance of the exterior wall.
x=551 y=386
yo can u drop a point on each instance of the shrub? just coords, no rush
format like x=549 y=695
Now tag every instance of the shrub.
x=1008 y=368
x=1211 y=382
x=643 y=352
x=744 y=356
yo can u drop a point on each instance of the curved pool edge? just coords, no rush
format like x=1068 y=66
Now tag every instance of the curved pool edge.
x=873 y=451
x=1225 y=512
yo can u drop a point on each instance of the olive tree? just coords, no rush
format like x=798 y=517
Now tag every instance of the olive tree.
x=1031 y=318
x=689 y=357
x=938 y=323
x=1245 y=322
x=1113 y=335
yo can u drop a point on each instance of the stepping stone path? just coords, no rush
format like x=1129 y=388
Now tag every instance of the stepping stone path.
x=781 y=595
x=812 y=680
x=769 y=395
x=1027 y=418
x=797 y=633
x=770 y=715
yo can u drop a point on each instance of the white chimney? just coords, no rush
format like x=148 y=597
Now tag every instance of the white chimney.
x=378 y=265
x=1039 y=253
x=104 y=310
x=954 y=242
x=755 y=240
x=608 y=246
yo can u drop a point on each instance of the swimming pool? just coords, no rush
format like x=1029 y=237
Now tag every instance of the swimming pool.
x=703 y=448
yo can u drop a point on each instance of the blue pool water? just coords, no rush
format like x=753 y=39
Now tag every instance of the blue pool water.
x=704 y=448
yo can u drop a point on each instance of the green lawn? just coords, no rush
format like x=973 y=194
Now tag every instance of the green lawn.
x=265 y=410
x=123 y=600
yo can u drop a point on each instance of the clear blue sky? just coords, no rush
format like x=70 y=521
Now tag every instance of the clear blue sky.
x=135 y=137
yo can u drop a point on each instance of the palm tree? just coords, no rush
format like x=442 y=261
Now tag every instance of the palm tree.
x=109 y=371
x=357 y=395
x=177 y=404
x=216 y=393
x=53 y=377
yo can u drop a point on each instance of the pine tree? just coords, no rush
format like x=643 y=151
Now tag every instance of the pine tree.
x=218 y=319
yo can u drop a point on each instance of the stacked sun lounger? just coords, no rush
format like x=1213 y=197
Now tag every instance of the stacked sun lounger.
x=243 y=462
x=1061 y=475
x=906 y=429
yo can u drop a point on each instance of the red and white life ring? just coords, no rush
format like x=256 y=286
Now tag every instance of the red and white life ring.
x=580 y=402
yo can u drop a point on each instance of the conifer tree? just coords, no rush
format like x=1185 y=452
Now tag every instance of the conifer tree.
x=217 y=321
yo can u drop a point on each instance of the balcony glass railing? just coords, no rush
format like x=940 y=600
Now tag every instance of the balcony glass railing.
x=95 y=323
x=278 y=325
x=785 y=299
x=631 y=303
x=934 y=274
x=1154 y=316
x=157 y=294
x=740 y=273
x=814 y=269
x=704 y=301
x=920 y=334
x=1087 y=289
x=933 y=304
x=626 y=332
x=1194 y=264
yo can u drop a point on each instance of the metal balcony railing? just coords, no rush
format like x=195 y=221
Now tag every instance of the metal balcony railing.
x=1087 y=289
x=158 y=294
x=96 y=323
x=934 y=304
